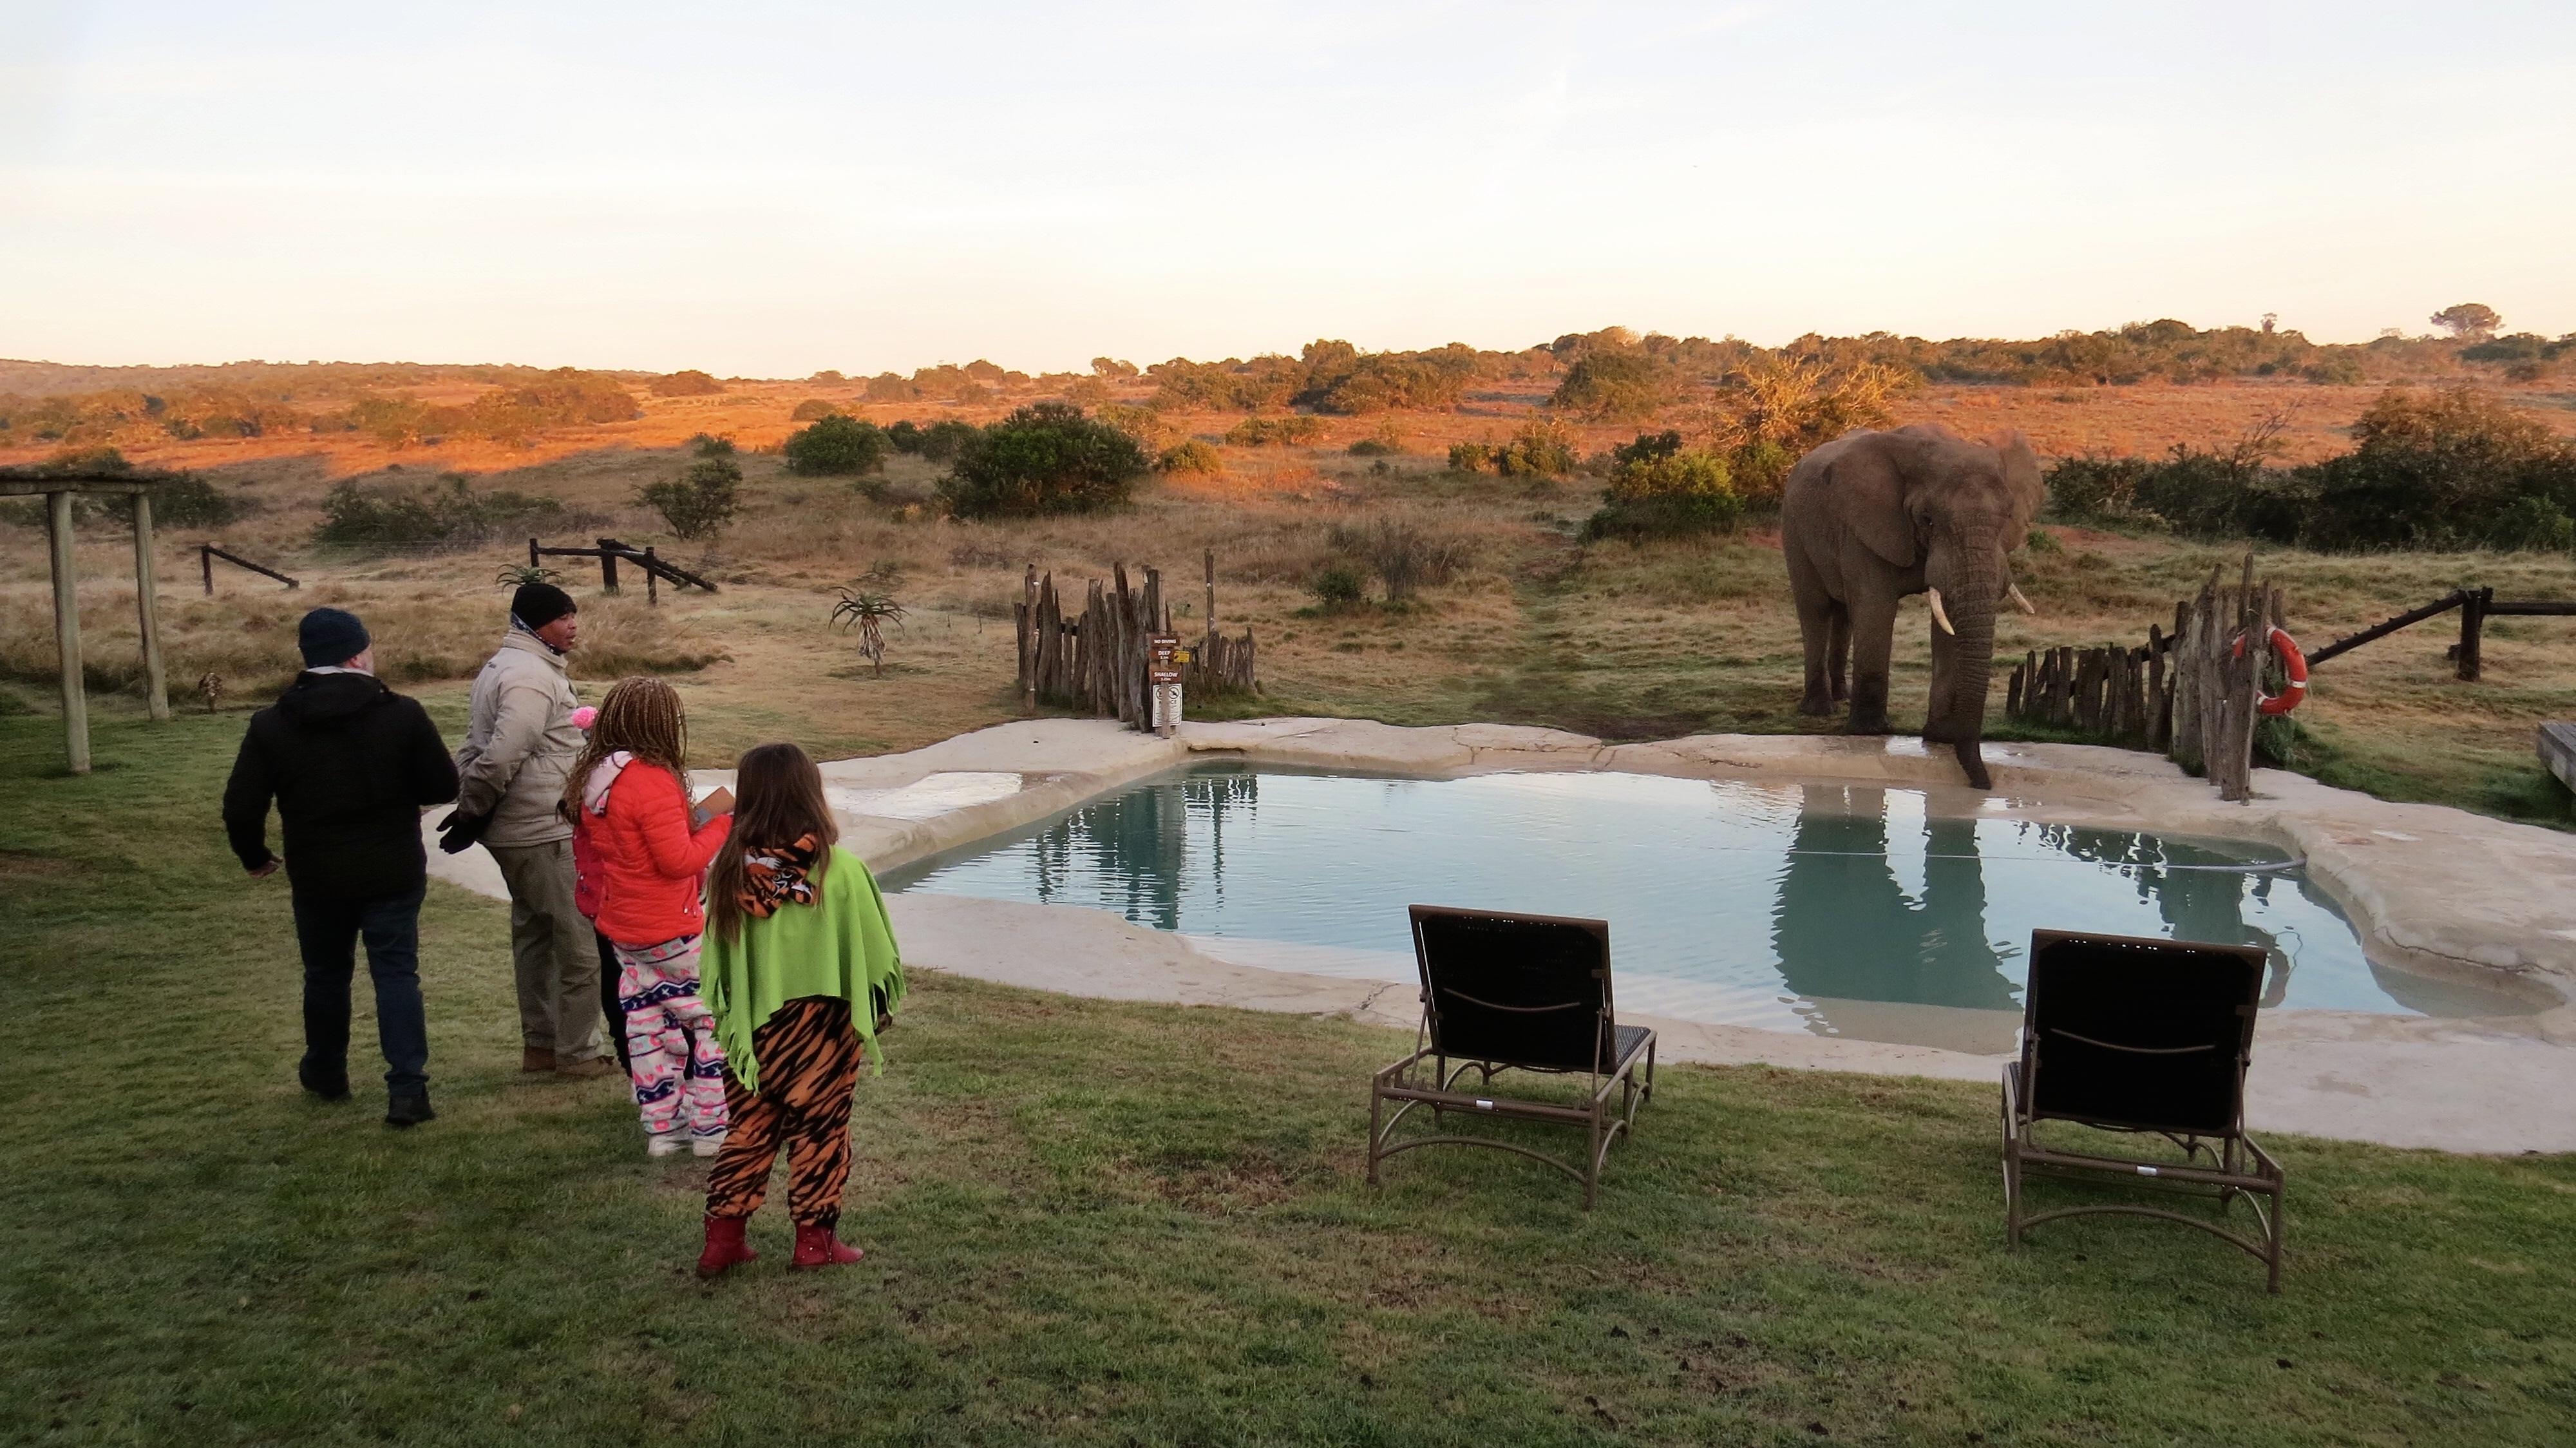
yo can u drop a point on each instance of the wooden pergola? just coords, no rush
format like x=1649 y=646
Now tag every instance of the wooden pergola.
x=58 y=490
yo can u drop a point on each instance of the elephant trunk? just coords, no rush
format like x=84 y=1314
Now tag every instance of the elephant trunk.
x=1972 y=620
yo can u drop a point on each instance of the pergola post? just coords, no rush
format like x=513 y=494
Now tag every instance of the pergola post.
x=147 y=609
x=58 y=535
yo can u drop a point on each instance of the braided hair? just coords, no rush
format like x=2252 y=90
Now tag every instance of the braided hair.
x=643 y=717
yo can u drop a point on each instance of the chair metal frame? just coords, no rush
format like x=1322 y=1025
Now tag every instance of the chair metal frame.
x=2237 y=1166
x=1410 y=1082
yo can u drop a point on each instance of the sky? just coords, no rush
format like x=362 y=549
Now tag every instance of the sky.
x=769 y=189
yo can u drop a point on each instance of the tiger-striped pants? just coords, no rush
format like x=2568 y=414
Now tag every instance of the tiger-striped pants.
x=809 y=1067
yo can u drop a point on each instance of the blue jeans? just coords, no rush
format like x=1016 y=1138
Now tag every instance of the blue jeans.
x=328 y=932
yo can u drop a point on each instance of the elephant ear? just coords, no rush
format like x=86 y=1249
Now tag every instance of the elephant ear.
x=1869 y=490
x=2022 y=480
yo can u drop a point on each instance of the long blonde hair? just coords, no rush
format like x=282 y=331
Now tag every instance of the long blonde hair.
x=643 y=717
x=778 y=800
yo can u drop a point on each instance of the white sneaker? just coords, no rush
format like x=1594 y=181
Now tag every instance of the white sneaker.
x=707 y=1145
x=667 y=1144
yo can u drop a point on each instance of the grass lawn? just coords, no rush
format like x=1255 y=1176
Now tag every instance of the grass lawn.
x=1099 y=1223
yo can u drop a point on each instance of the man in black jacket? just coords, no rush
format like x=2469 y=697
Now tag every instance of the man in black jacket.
x=350 y=764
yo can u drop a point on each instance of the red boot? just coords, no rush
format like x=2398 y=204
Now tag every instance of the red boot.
x=725 y=1246
x=817 y=1247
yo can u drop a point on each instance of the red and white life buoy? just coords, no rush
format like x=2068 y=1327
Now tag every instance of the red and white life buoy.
x=2294 y=669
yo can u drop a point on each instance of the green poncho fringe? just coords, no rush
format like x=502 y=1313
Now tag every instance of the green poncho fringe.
x=840 y=948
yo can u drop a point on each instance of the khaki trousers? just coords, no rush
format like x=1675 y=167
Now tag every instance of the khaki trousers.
x=553 y=954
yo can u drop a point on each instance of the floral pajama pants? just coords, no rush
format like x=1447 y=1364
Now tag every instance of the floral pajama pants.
x=672 y=1055
x=809 y=1068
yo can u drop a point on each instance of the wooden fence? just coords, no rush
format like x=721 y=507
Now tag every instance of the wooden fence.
x=609 y=550
x=2191 y=695
x=1097 y=659
x=207 y=553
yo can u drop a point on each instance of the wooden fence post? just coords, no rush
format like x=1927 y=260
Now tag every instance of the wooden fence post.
x=58 y=538
x=147 y=610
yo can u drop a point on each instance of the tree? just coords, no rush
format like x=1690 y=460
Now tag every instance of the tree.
x=1112 y=368
x=2468 y=321
x=836 y=444
x=868 y=611
x=1044 y=458
x=700 y=502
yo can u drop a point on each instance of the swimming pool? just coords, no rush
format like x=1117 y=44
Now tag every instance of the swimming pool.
x=1832 y=908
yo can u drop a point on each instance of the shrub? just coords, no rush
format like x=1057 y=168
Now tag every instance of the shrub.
x=2341 y=369
x=700 y=502
x=1337 y=585
x=1274 y=431
x=836 y=444
x=1660 y=489
x=691 y=383
x=1613 y=384
x=1153 y=432
x=2449 y=469
x=708 y=445
x=904 y=437
x=1542 y=448
x=812 y=408
x=1405 y=556
x=1379 y=444
x=1043 y=458
x=1470 y=457
x=454 y=516
x=190 y=501
x=946 y=440
x=1192 y=458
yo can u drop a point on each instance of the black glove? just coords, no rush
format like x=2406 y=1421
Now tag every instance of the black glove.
x=459 y=831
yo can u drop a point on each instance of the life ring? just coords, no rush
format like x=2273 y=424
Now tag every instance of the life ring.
x=2294 y=670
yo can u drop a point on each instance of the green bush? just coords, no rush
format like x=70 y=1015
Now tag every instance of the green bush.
x=1191 y=458
x=904 y=436
x=392 y=516
x=1337 y=585
x=1470 y=457
x=1044 y=458
x=812 y=408
x=950 y=439
x=691 y=383
x=1613 y=385
x=1376 y=447
x=1660 y=489
x=700 y=502
x=1289 y=431
x=836 y=444
x=708 y=445
x=2451 y=469
x=190 y=501
x=1541 y=449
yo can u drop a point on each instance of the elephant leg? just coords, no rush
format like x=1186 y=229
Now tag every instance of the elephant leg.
x=1873 y=638
x=1815 y=630
x=1838 y=654
x=1816 y=610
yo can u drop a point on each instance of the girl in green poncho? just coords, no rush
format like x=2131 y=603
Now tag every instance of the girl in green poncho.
x=801 y=973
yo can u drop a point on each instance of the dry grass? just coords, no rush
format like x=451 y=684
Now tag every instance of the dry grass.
x=1612 y=639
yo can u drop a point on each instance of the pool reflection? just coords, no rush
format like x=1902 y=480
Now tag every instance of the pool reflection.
x=1828 y=907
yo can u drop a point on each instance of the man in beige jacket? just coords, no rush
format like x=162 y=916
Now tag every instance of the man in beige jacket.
x=519 y=746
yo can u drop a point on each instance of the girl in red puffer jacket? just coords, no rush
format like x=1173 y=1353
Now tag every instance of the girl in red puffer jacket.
x=643 y=855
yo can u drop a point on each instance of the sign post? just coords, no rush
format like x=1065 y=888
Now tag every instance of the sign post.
x=1163 y=659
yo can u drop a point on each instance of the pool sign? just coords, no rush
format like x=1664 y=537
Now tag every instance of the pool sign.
x=1163 y=660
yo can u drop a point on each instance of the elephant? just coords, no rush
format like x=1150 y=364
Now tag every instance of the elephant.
x=1873 y=516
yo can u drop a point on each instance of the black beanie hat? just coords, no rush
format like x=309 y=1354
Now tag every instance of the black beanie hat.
x=539 y=604
x=329 y=637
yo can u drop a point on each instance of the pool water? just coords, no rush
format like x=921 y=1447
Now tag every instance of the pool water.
x=1806 y=907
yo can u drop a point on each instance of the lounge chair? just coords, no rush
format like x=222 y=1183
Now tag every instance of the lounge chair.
x=2145 y=1036
x=1514 y=992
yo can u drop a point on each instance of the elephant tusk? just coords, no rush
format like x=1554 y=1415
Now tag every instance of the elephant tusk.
x=1940 y=615
x=2013 y=592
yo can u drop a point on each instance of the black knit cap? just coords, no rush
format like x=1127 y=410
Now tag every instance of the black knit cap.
x=539 y=604
x=329 y=637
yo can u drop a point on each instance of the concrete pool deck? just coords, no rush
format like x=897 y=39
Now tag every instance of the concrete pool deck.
x=2434 y=891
